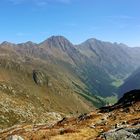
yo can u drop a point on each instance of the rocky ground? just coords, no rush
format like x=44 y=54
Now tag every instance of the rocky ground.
x=118 y=122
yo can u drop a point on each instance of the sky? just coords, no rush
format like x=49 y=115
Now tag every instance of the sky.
x=77 y=20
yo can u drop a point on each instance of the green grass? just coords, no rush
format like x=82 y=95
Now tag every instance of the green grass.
x=111 y=100
x=117 y=83
x=95 y=100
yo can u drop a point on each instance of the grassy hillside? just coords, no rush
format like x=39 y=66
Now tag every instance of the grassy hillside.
x=22 y=99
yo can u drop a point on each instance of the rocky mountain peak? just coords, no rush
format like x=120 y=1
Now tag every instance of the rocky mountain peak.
x=57 y=42
x=27 y=44
x=6 y=43
x=58 y=38
x=91 y=41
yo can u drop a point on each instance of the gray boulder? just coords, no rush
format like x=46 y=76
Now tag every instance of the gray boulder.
x=123 y=134
x=15 y=137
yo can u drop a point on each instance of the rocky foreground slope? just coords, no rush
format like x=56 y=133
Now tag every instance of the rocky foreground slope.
x=118 y=122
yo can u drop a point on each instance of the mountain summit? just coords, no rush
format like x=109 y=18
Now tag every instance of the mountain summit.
x=58 y=42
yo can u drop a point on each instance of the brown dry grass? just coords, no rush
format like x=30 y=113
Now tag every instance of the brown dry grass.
x=90 y=127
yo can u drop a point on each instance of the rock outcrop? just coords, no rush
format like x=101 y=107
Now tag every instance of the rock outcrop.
x=40 y=78
x=123 y=134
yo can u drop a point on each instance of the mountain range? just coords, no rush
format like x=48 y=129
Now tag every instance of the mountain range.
x=57 y=77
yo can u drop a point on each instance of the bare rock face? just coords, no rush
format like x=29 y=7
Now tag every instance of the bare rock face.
x=40 y=78
x=123 y=134
x=57 y=42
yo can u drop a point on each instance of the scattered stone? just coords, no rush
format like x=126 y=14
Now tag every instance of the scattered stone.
x=92 y=126
x=126 y=110
x=62 y=121
x=124 y=123
x=84 y=116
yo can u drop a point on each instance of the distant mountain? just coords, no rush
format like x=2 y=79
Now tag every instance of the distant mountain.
x=118 y=60
x=131 y=83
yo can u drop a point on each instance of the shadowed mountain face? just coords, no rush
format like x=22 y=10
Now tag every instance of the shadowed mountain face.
x=131 y=83
x=126 y=101
x=56 y=75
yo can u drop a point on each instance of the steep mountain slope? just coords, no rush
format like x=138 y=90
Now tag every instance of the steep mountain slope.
x=131 y=83
x=59 y=51
x=118 y=122
x=66 y=54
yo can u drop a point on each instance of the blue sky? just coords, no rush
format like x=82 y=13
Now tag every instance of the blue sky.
x=78 y=20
